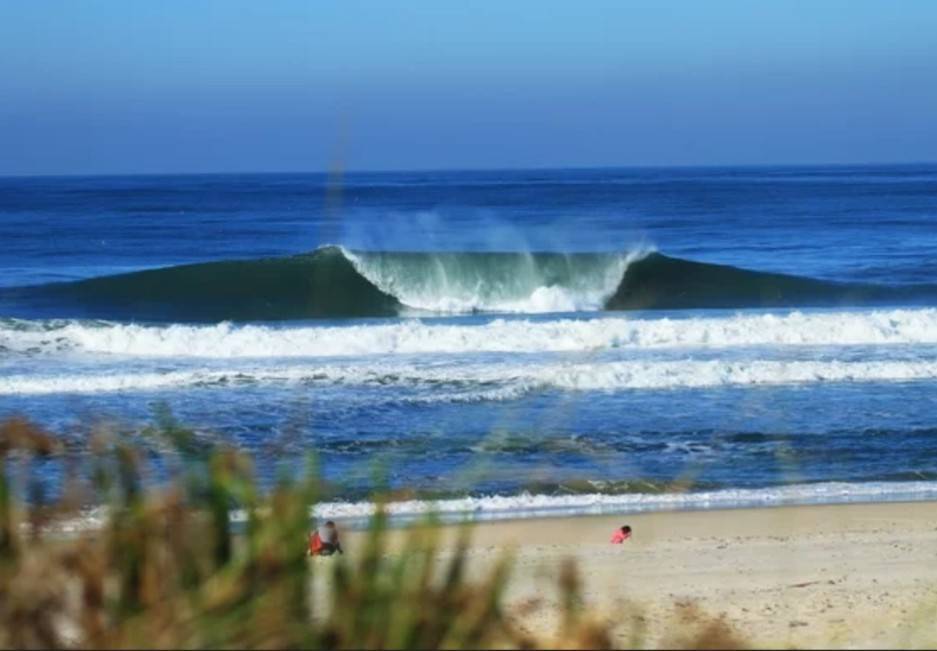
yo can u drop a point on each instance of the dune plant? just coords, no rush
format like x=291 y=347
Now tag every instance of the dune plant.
x=169 y=566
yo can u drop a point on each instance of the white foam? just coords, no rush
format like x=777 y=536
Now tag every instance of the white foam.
x=528 y=505
x=474 y=382
x=443 y=283
x=224 y=341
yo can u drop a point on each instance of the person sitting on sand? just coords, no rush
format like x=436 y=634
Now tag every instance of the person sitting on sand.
x=621 y=535
x=324 y=540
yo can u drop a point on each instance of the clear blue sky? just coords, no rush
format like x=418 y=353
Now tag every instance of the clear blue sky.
x=195 y=86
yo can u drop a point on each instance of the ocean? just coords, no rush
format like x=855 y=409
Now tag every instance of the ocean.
x=503 y=343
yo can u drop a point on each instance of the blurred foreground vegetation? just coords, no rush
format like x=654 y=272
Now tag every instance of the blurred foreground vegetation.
x=167 y=568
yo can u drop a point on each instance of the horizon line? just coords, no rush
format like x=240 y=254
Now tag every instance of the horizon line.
x=444 y=170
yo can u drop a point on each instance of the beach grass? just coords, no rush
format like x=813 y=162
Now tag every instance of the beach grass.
x=168 y=567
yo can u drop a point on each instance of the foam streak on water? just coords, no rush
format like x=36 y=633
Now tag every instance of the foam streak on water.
x=226 y=341
x=494 y=382
x=526 y=505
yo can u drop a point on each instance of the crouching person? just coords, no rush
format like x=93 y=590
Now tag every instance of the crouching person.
x=324 y=540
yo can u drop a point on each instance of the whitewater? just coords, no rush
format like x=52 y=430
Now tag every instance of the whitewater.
x=227 y=340
x=522 y=283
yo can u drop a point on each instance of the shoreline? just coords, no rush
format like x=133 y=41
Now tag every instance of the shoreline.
x=527 y=506
x=355 y=516
x=857 y=575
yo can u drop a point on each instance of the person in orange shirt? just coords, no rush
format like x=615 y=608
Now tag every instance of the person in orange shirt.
x=621 y=535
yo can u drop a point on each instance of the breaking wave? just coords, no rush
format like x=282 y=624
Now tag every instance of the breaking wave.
x=334 y=282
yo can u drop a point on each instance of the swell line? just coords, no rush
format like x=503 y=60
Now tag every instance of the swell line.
x=334 y=283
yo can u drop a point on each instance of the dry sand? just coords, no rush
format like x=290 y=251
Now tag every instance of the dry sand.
x=862 y=575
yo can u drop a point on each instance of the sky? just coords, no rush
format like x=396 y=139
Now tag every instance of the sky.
x=109 y=86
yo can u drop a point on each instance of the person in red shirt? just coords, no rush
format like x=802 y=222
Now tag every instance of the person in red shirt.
x=621 y=535
x=324 y=540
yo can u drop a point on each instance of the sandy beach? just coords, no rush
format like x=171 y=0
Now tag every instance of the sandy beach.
x=862 y=575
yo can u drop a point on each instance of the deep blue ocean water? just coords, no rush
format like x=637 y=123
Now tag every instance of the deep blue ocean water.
x=576 y=338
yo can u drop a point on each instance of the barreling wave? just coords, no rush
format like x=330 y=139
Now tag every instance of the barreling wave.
x=333 y=282
x=454 y=282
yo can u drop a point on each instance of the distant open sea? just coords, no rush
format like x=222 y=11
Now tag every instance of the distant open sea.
x=511 y=342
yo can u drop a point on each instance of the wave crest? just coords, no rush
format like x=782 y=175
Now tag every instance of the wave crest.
x=453 y=282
